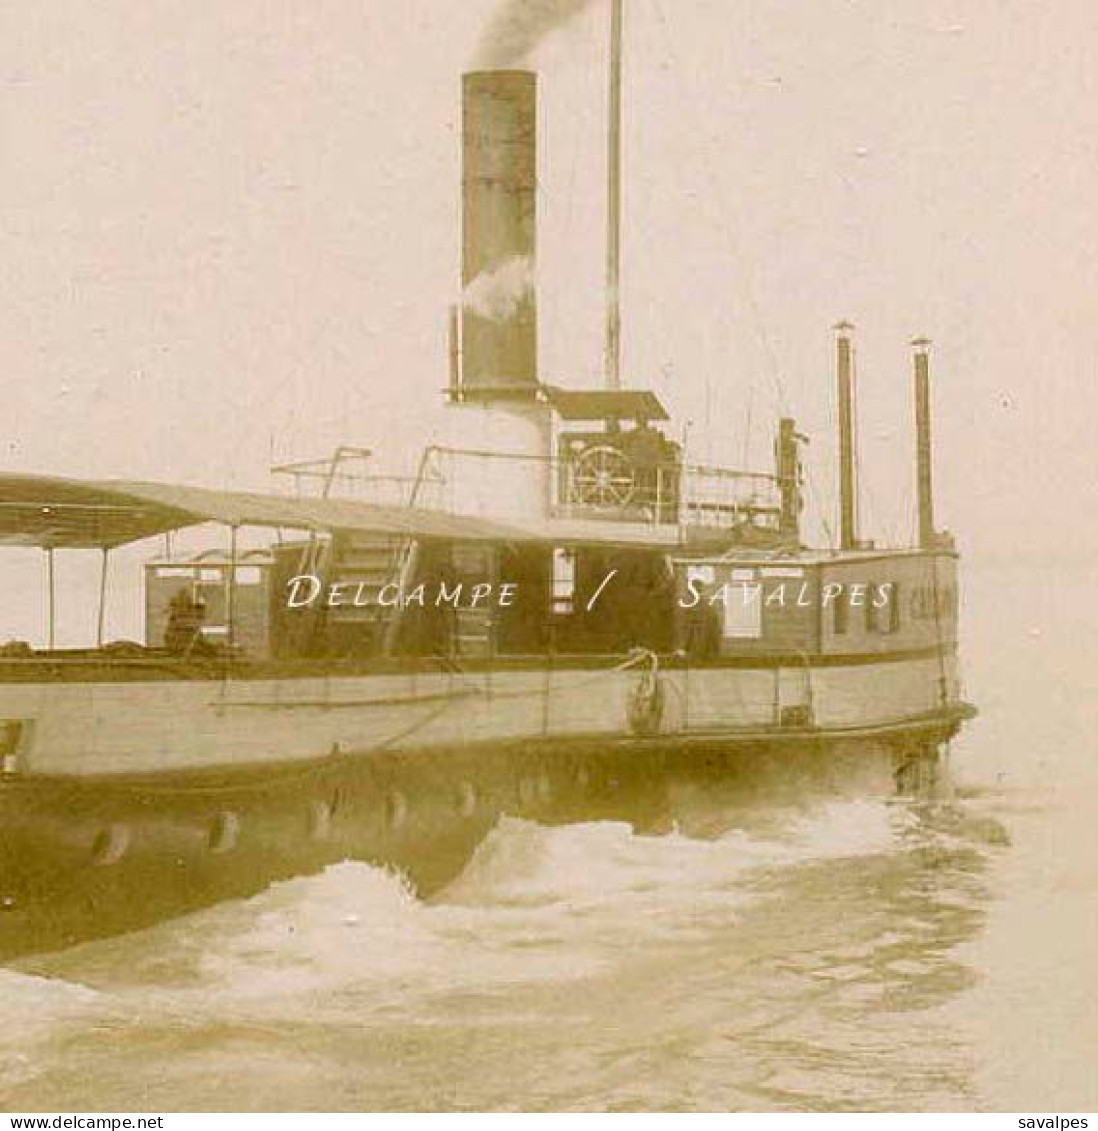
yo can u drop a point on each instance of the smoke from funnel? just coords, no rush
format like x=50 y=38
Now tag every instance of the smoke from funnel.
x=518 y=26
x=497 y=295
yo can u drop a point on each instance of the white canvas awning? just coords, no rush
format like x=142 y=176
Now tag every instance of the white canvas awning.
x=57 y=513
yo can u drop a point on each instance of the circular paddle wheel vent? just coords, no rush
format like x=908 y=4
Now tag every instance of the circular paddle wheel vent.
x=466 y=799
x=224 y=833
x=604 y=477
x=110 y=845
x=396 y=810
x=320 y=820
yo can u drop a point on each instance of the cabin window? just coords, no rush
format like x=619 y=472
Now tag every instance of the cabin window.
x=564 y=582
x=873 y=622
x=743 y=606
x=841 y=613
x=882 y=610
x=12 y=733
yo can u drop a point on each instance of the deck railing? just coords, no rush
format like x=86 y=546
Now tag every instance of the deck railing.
x=466 y=480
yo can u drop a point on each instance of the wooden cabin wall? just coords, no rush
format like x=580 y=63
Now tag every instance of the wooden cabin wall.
x=808 y=621
x=915 y=578
x=786 y=606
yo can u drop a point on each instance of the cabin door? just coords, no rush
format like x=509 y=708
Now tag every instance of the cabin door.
x=743 y=607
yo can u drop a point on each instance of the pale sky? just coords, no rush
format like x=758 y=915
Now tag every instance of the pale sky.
x=231 y=230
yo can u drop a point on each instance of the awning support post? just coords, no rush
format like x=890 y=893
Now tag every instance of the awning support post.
x=52 y=599
x=102 y=598
x=230 y=602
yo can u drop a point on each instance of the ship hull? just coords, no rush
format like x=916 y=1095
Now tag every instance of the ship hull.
x=75 y=723
x=103 y=842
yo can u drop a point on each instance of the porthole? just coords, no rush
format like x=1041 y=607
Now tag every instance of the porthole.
x=466 y=799
x=320 y=820
x=396 y=810
x=224 y=832
x=110 y=845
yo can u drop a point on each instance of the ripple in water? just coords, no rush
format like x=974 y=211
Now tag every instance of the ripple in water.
x=793 y=958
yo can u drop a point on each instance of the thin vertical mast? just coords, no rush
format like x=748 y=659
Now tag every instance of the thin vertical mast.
x=923 y=461
x=848 y=470
x=613 y=208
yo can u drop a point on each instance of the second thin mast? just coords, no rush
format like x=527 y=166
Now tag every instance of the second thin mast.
x=613 y=208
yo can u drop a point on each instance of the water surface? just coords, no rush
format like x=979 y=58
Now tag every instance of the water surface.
x=815 y=953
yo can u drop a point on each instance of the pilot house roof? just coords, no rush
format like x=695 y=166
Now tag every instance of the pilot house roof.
x=606 y=404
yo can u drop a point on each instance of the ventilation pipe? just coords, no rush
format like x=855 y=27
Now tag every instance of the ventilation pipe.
x=844 y=366
x=923 y=451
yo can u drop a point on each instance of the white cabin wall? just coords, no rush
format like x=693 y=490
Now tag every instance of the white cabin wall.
x=486 y=486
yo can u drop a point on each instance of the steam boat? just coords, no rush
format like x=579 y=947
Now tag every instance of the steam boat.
x=556 y=609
